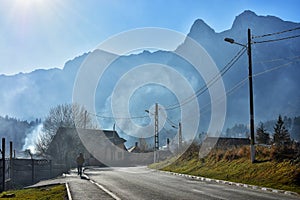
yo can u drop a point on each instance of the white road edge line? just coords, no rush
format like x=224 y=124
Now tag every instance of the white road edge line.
x=210 y=195
x=68 y=191
x=106 y=190
x=254 y=187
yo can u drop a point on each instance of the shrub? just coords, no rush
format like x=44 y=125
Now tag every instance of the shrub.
x=191 y=152
x=280 y=153
x=243 y=152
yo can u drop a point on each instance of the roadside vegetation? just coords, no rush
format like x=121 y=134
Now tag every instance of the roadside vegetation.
x=57 y=192
x=277 y=165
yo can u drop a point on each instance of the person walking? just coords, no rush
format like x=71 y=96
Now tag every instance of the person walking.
x=80 y=161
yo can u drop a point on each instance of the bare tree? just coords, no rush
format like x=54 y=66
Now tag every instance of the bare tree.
x=64 y=115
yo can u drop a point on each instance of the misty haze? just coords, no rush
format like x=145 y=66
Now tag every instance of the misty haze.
x=158 y=123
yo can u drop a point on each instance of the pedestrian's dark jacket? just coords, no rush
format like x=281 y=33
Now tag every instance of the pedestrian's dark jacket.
x=80 y=160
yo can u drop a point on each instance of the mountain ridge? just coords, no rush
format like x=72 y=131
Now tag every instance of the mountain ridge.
x=21 y=93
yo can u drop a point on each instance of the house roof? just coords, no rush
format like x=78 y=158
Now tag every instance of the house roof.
x=91 y=137
x=111 y=135
x=224 y=141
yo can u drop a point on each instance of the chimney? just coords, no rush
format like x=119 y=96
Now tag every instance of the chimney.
x=168 y=143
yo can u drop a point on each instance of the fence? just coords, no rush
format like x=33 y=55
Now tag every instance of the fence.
x=24 y=172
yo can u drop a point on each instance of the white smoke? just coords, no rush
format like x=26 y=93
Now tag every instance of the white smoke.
x=32 y=137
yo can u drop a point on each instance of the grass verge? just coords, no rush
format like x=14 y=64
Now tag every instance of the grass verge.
x=56 y=192
x=232 y=165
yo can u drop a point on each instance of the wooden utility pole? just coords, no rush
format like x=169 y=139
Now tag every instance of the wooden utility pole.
x=179 y=137
x=10 y=150
x=10 y=159
x=252 y=142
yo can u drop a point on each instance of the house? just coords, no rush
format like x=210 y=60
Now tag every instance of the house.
x=224 y=142
x=100 y=147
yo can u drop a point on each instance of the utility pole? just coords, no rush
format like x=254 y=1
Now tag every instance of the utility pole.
x=10 y=159
x=156 y=142
x=252 y=138
x=252 y=142
x=179 y=137
x=10 y=150
x=85 y=115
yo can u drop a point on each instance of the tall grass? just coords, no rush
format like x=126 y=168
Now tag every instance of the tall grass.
x=233 y=164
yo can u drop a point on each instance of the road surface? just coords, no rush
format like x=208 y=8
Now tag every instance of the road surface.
x=143 y=183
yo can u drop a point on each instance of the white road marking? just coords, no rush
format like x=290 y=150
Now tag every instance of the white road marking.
x=106 y=190
x=210 y=195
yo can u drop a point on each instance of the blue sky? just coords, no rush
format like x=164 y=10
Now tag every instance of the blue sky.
x=46 y=33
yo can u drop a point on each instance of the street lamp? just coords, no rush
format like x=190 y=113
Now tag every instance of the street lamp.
x=230 y=40
x=248 y=46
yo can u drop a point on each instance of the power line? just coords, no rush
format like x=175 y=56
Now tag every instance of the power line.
x=229 y=92
x=211 y=82
x=276 y=33
x=243 y=81
x=276 y=59
x=275 y=40
x=167 y=131
x=222 y=72
x=276 y=67
x=198 y=92
x=237 y=86
x=170 y=122
x=112 y=117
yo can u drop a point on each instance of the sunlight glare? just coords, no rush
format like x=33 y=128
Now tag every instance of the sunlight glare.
x=30 y=2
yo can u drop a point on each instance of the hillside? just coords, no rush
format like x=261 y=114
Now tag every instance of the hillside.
x=234 y=165
x=16 y=130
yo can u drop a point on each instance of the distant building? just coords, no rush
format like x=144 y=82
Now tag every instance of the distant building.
x=135 y=149
x=222 y=142
x=104 y=146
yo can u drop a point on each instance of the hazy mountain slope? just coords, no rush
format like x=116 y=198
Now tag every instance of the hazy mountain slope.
x=30 y=95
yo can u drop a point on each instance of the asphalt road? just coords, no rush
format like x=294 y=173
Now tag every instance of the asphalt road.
x=143 y=183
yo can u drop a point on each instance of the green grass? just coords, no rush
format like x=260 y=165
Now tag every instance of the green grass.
x=221 y=165
x=57 y=192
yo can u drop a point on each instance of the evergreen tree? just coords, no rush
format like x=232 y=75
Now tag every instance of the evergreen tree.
x=263 y=137
x=281 y=134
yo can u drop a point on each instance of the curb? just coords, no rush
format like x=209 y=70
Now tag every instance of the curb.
x=40 y=186
x=232 y=183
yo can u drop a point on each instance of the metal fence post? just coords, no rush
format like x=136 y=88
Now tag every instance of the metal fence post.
x=50 y=165
x=32 y=172
x=3 y=164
